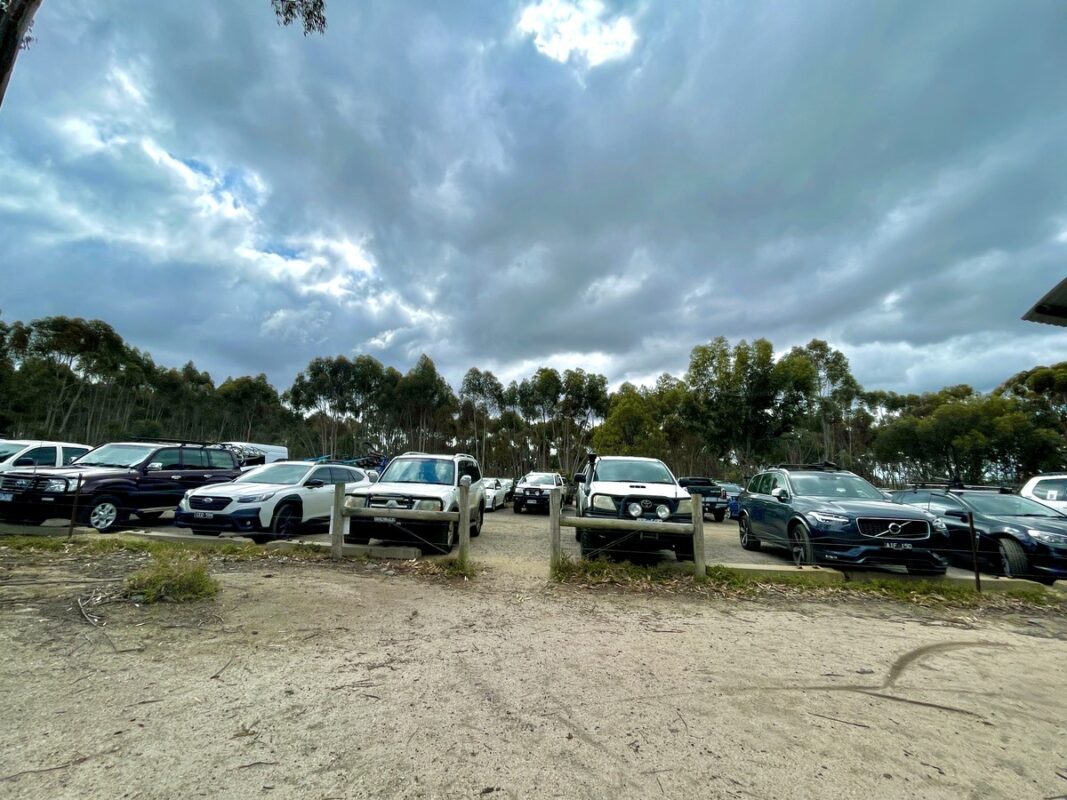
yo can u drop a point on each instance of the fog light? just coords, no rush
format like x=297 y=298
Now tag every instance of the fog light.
x=662 y=511
x=634 y=509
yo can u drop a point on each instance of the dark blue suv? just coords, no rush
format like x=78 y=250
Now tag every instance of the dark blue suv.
x=826 y=515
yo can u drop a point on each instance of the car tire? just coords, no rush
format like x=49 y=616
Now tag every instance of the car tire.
x=720 y=516
x=683 y=551
x=1013 y=560
x=800 y=545
x=286 y=520
x=356 y=538
x=446 y=541
x=516 y=508
x=105 y=513
x=476 y=523
x=748 y=541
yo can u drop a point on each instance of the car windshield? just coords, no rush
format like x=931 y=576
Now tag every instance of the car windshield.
x=540 y=480
x=115 y=455
x=1008 y=505
x=286 y=474
x=730 y=487
x=633 y=472
x=830 y=484
x=8 y=449
x=420 y=470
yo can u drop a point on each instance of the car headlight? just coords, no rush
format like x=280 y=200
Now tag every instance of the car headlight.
x=603 y=502
x=685 y=506
x=427 y=505
x=55 y=486
x=662 y=511
x=256 y=498
x=634 y=509
x=1048 y=538
x=828 y=519
x=355 y=501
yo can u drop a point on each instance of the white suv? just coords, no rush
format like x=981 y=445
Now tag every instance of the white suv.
x=632 y=489
x=419 y=482
x=1050 y=489
x=270 y=500
x=534 y=489
x=26 y=454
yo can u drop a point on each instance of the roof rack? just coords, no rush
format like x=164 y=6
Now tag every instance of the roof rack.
x=957 y=486
x=160 y=440
x=826 y=466
x=413 y=453
x=466 y=455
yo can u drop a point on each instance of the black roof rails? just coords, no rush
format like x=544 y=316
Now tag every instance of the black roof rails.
x=826 y=466
x=160 y=440
x=954 y=486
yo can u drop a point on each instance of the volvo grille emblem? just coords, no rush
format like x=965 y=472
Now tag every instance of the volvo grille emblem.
x=894 y=528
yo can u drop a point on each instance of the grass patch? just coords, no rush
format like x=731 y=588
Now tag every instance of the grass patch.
x=103 y=545
x=451 y=567
x=172 y=578
x=726 y=582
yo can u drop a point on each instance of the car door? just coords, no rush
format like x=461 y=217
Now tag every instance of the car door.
x=757 y=506
x=160 y=483
x=318 y=500
x=778 y=513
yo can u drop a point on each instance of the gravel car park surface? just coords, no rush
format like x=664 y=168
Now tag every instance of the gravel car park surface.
x=352 y=680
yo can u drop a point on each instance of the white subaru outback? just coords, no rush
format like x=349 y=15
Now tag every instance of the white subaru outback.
x=272 y=500
x=418 y=482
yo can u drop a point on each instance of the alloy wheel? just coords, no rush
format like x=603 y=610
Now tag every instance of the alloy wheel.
x=103 y=516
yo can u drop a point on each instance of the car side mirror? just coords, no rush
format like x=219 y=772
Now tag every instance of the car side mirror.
x=579 y=478
x=684 y=483
x=155 y=466
x=23 y=462
x=373 y=476
x=955 y=513
x=781 y=494
x=315 y=484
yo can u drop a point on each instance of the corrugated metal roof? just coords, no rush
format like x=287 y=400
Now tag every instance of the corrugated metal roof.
x=1052 y=308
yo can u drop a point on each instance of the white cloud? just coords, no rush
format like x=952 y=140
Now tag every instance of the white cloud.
x=562 y=29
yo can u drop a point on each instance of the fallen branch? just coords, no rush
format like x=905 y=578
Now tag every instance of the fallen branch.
x=843 y=721
x=92 y=619
x=258 y=764
x=74 y=763
x=217 y=674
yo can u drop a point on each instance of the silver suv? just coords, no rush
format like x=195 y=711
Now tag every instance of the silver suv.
x=418 y=482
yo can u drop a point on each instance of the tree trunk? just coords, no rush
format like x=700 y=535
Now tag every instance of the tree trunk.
x=15 y=20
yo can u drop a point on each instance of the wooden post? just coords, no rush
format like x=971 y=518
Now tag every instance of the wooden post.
x=74 y=507
x=974 y=552
x=555 y=509
x=337 y=523
x=464 y=518
x=700 y=569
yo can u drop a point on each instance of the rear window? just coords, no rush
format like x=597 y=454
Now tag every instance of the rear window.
x=1051 y=489
x=193 y=458
x=71 y=453
x=219 y=459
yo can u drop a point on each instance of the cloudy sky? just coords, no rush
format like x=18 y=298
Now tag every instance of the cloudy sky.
x=544 y=182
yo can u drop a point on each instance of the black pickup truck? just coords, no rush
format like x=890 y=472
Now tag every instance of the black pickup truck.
x=716 y=503
x=114 y=481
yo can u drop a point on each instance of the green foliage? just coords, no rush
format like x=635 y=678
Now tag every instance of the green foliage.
x=172 y=578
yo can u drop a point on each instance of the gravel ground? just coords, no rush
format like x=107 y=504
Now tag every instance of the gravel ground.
x=352 y=681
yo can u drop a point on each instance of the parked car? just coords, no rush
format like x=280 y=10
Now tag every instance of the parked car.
x=532 y=491
x=276 y=499
x=715 y=500
x=252 y=455
x=509 y=489
x=641 y=489
x=1016 y=536
x=22 y=454
x=494 y=493
x=418 y=482
x=826 y=515
x=733 y=492
x=1049 y=489
x=144 y=478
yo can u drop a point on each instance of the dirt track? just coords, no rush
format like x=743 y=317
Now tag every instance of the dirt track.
x=347 y=681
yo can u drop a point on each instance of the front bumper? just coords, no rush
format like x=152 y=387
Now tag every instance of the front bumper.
x=413 y=531
x=532 y=500
x=36 y=505
x=865 y=554
x=241 y=520
x=1049 y=562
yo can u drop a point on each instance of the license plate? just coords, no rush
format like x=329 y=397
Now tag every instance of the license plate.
x=6 y=497
x=897 y=546
x=203 y=515
x=385 y=520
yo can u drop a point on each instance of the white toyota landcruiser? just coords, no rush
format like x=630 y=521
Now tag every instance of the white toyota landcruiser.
x=418 y=482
